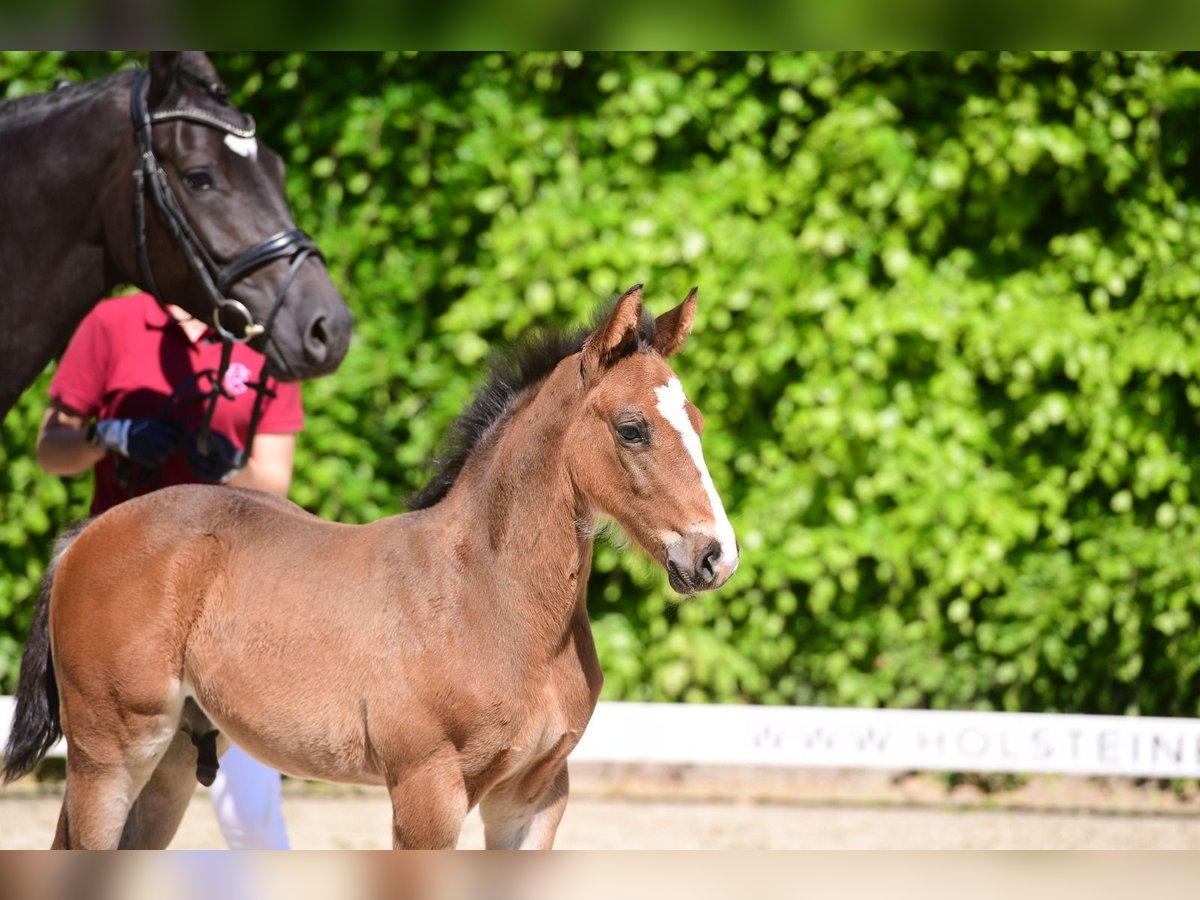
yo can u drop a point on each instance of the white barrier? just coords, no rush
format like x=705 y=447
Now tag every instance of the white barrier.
x=920 y=740
x=7 y=705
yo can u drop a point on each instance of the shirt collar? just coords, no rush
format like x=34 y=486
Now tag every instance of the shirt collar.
x=158 y=319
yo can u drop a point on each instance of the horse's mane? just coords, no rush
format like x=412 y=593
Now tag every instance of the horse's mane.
x=77 y=91
x=529 y=362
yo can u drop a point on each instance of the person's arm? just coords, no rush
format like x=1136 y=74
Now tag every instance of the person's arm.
x=69 y=444
x=63 y=447
x=269 y=467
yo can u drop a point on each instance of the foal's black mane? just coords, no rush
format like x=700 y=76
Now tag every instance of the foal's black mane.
x=510 y=373
x=63 y=94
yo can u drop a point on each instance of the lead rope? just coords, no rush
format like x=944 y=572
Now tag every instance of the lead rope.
x=215 y=393
x=261 y=387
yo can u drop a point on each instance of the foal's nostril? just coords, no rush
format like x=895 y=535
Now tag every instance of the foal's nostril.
x=706 y=569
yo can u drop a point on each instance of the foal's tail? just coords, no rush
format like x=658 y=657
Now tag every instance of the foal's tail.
x=35 y=725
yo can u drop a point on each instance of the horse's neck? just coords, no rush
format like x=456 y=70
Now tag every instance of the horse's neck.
x=58 y=159
x=516 y=515
x=54 y=163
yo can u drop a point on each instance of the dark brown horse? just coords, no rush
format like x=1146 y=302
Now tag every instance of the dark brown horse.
x=82 y=167
x=445 y=653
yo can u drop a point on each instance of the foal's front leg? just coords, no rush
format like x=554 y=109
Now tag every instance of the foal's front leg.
x=428 y=807
x=515 y=819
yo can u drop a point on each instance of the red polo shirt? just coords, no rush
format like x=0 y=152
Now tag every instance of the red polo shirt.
x=130 y=359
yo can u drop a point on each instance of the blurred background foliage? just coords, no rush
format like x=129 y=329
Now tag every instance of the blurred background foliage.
x=946 y=345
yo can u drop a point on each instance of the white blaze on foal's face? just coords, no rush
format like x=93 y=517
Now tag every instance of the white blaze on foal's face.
x=672 y=406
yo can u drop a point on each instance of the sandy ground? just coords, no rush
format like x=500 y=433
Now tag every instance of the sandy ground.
x=733 y=810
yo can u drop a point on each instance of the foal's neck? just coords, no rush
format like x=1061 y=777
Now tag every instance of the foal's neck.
x=517 y=507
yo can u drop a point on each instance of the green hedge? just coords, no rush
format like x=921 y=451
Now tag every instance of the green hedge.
x=946 y=345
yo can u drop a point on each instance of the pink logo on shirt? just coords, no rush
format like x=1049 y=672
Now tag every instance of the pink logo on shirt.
x=236 y=377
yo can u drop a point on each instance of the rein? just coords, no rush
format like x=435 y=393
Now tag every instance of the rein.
x=229 y=315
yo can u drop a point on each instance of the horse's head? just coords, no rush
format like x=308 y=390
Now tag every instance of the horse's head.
x=635 y=448
x=229 y=187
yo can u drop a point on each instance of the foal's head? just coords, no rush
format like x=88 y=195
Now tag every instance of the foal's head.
x=635 y=447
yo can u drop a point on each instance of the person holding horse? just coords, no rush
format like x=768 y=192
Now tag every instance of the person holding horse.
x=130 y=401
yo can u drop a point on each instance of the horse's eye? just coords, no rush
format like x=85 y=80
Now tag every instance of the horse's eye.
x=198 y=180
x=630 y=433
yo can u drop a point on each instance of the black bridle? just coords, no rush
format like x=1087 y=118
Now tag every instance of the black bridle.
x=232 y=321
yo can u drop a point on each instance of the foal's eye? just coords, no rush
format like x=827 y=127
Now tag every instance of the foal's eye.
x=198 y=180
x=630 y=433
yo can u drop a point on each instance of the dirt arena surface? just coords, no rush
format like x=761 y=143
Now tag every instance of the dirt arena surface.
x=675 y=809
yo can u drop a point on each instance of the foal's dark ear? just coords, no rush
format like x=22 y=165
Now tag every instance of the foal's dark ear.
x=672 y=327
x=612 y=337
x=164 y=71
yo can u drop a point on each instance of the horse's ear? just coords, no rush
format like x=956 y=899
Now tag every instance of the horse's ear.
x=611 y=338
x=164 y=71
x=672 y=327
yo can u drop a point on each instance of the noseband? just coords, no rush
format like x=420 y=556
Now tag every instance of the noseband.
x=231 y=319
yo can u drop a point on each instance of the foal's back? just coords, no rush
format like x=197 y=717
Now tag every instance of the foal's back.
x=241 y=601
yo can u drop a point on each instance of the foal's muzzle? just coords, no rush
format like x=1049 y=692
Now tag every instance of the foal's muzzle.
x=697 y=563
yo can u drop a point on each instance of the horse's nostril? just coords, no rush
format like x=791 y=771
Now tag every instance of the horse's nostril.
x=316 y=343
x=318 y=333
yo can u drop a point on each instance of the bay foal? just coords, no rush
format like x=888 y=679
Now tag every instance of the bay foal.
x=445 y=653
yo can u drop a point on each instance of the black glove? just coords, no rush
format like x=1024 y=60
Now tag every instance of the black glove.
x=219 y=464
x=148 y=442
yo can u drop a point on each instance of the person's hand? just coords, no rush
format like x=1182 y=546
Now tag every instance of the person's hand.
x=219 y=464
x=148 y=442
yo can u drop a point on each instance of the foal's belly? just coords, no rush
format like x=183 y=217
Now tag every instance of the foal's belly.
x=289 y=718
x=315 y=744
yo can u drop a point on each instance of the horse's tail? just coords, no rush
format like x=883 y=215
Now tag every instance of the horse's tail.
x=35 y=726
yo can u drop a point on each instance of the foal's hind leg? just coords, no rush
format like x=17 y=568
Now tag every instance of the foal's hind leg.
x=97 y=802
x=62 y=833
x=159 y=808
x=111 y=754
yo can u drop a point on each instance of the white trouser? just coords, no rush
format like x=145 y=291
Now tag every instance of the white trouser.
x=247 y=801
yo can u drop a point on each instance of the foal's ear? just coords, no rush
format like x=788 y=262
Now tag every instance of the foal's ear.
x=673 y=326
x=164 y=71
x=612 y=336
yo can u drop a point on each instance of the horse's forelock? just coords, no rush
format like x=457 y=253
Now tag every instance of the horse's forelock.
x=198 y=84
x=198 y=69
